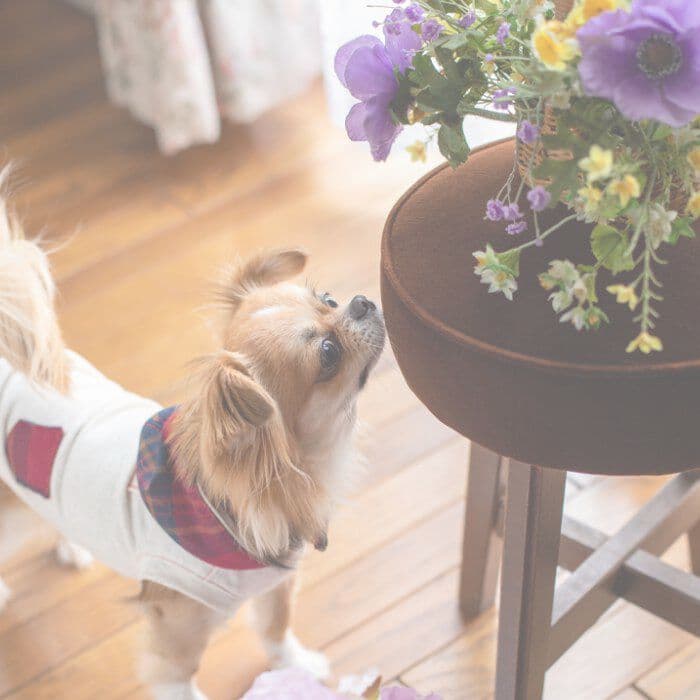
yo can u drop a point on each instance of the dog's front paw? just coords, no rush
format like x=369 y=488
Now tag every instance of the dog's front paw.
x=5 y=594
x=71 y=554
x=177 y=691
x=291 y=653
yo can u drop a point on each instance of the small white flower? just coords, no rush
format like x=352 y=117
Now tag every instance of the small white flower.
x=499 y=281
x=564 y=271
x=561 y=300
x=659 y=224
x=577 y=316
x=579 y=290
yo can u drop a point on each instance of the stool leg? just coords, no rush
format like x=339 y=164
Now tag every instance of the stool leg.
x=531 y=549
x=694 y=544
x=481 y=545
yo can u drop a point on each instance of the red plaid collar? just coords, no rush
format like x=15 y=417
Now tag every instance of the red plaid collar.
x=181 y=510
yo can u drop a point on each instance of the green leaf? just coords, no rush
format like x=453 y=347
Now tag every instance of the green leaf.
x=562 y=176
x=511 y=260
x=610 y=248
x=589 y=280
x=681 y=227
x=456 y=42
x=452 y=144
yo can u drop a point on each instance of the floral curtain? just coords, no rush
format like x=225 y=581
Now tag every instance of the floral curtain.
x=182 y=65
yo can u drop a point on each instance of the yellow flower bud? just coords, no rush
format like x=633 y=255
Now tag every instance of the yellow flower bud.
x=694 y=159
x=624 y=295
x=598 y=164
x=625 y=189
x=645 y=342
x=417 y=151
x=694 y=205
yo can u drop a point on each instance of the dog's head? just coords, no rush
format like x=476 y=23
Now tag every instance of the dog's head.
x=276 y=405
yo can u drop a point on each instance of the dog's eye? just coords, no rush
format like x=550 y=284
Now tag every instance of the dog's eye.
x=330 y=354
x=328 y=300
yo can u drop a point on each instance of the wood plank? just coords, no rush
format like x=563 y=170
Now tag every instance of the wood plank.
x=629 y=694
x=675 y=678
x=607 y=659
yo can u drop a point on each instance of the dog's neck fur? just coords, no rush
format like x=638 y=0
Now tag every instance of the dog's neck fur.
x=279 y=489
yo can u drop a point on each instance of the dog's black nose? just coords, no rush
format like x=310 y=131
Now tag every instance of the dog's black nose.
x=360 y=306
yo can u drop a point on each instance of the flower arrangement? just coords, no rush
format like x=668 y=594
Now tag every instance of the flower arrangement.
x=606 y=98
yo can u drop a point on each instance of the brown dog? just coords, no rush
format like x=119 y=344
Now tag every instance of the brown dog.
x=257 y=456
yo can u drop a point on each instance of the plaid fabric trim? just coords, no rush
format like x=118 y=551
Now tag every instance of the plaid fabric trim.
x=179 y=509
x=31 y=450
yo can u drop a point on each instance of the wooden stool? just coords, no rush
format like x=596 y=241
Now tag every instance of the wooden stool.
x=517 y=383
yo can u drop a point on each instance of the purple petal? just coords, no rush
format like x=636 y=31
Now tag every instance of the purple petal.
x=369 y=73
x=641 y=99
x=401 y=45
x=380 y=129
x=344 y=53
x=677 y=88
x=355 y=122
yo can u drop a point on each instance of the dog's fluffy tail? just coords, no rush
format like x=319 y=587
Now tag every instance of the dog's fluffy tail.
x=30 y=338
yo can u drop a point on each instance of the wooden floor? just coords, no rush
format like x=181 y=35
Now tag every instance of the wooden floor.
x=138 y=236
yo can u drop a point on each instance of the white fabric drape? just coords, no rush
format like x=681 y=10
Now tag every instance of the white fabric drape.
x=181 y=65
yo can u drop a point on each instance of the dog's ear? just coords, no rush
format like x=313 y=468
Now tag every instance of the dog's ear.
x=261 y=270
x=233 y=400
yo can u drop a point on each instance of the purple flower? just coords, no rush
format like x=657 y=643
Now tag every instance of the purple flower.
x=289 y=683
x=528 y=132
x=365 y=66
x=415 y=13
x=516 y=227
x=512 y=212
x=392 y=24
x=539 y=198
x=495 y=210
x=646 y=61
x=431 y=30
x=502 y=33
x=500 y=98
x=467 y=20
x=401 y=692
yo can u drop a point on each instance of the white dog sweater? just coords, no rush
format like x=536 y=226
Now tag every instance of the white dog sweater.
x=95 y=465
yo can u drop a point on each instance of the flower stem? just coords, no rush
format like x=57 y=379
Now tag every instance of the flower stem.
x=488 y=114
x=544 y=235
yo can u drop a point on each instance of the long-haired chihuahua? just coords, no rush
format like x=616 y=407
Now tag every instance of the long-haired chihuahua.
x=207 y=503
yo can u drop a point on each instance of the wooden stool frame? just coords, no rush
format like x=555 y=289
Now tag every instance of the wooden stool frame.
x=515 y=513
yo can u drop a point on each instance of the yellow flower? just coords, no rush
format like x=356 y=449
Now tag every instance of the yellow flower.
x=554 y=44
x=624 y=295
x=694 y=159
x=592 y=195
x=588 y=9
x=645 y=342
x=694 y=205
x=598 y=164
x=417 y=151
x=625 y=189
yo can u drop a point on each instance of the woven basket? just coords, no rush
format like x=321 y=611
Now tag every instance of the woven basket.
x=525 y=155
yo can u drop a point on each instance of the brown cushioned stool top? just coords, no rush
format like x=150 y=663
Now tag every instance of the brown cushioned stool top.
x=509 y=375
